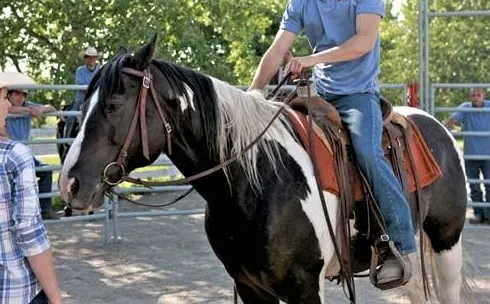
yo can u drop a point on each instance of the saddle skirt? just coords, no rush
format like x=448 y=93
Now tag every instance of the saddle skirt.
x=425 y=165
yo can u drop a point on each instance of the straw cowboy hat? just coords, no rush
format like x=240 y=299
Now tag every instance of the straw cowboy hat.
x=90 y=51
x=14 y=78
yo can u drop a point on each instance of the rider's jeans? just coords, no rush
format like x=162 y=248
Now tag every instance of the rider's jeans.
x=362 y=115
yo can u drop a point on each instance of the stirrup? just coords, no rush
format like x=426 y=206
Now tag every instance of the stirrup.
x=373 y=270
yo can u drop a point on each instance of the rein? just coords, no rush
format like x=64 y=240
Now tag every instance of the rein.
x=140 y=114
x=147 y=83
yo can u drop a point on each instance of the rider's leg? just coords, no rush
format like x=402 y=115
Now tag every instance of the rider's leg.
x=362 y=115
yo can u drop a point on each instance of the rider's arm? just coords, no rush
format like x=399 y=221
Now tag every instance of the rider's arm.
x=272 y=59
x=367 y=31
x=291 y=26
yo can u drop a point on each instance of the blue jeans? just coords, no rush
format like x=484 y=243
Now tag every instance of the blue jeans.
x=473 y=169
x=45 y=184
x=362 y=115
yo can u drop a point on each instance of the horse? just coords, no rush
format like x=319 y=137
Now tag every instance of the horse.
x=263 y=218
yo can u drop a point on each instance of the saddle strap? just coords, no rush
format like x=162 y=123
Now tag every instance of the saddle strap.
x=396 y=148
x=425 y=279
x=346 y=197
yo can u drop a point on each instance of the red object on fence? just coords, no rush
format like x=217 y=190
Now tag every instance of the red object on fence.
x=413 y=94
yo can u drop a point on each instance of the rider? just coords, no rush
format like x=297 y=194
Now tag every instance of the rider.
x=345 y=37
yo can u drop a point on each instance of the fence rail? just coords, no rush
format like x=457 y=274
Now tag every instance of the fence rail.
x=111 y=214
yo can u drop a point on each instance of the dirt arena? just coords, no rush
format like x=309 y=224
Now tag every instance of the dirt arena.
x=167 y=260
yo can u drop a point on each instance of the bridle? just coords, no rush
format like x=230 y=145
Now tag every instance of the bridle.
x=140 y=115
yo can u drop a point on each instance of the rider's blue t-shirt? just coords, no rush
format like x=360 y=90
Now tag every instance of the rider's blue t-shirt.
x=475 y=121
x=329 y=23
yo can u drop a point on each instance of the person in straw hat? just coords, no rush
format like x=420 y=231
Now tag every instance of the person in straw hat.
x=26 y=261
x=19 y=129
x=84 y=73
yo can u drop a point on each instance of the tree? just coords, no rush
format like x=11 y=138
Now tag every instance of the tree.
x=223 y=38
x=458 y=48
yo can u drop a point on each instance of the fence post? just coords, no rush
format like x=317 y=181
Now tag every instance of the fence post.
x=115 y=220
x=107 y=207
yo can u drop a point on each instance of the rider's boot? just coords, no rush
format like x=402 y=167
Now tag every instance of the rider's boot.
x=395 y=271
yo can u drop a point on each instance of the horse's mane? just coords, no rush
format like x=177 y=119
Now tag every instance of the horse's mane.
x=242 y=117
x=231 y=119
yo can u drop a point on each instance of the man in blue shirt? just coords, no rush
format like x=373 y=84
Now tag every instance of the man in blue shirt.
x=476 y=145
x=344 y=35
x=19 y=128
x=84 y=73
x=83 y=76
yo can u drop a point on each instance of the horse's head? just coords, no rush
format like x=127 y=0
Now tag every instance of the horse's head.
x=95 y=161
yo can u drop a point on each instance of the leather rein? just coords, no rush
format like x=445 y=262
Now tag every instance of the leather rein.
x=140 y=115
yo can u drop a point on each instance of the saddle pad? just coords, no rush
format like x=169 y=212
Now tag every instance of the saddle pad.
x=425 y=164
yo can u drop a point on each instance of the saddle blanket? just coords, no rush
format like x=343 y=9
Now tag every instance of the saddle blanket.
x=426 y=166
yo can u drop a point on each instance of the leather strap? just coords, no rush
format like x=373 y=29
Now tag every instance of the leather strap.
x=140 y=111
x=418 y=200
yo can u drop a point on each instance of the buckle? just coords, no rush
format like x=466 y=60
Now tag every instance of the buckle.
x=146 y=82
x=384 y=238
x=168 y=128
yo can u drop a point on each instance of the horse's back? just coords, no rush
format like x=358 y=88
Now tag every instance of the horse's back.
x=446 y=197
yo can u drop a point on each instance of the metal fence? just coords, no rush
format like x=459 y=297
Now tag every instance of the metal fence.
x=434 y=109
x=110 y=212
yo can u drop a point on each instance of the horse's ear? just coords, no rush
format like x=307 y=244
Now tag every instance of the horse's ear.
x=122 y=50
x=143 y=57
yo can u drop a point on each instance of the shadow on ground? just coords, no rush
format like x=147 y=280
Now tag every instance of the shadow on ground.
x=168 y=260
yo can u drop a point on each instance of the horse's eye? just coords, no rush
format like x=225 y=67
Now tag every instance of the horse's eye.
x=113 y=106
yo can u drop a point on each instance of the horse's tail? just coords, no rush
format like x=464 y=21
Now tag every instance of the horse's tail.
x=468 y=284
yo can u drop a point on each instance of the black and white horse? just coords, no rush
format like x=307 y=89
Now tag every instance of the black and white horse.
x=264 y=218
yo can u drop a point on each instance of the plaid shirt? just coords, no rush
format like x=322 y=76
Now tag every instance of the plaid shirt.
x=22 y=231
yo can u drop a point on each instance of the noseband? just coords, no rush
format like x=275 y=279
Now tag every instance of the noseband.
x=139 y=115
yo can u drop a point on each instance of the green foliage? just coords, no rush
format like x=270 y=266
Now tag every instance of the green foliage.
x=225 y=39
x=458 y=48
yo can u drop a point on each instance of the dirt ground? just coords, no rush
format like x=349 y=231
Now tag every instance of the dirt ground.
x=167 y=260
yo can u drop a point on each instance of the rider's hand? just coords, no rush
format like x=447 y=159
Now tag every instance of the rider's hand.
x=297 y=65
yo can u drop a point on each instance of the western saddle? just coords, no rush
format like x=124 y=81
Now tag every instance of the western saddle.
x=324 y=119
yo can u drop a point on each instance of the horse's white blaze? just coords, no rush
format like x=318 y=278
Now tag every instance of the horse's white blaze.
x=185 y=100
x=312 y=206
x=74 y=152
x=449 y=264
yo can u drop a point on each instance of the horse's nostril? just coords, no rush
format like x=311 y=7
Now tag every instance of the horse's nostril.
x=73 y=185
